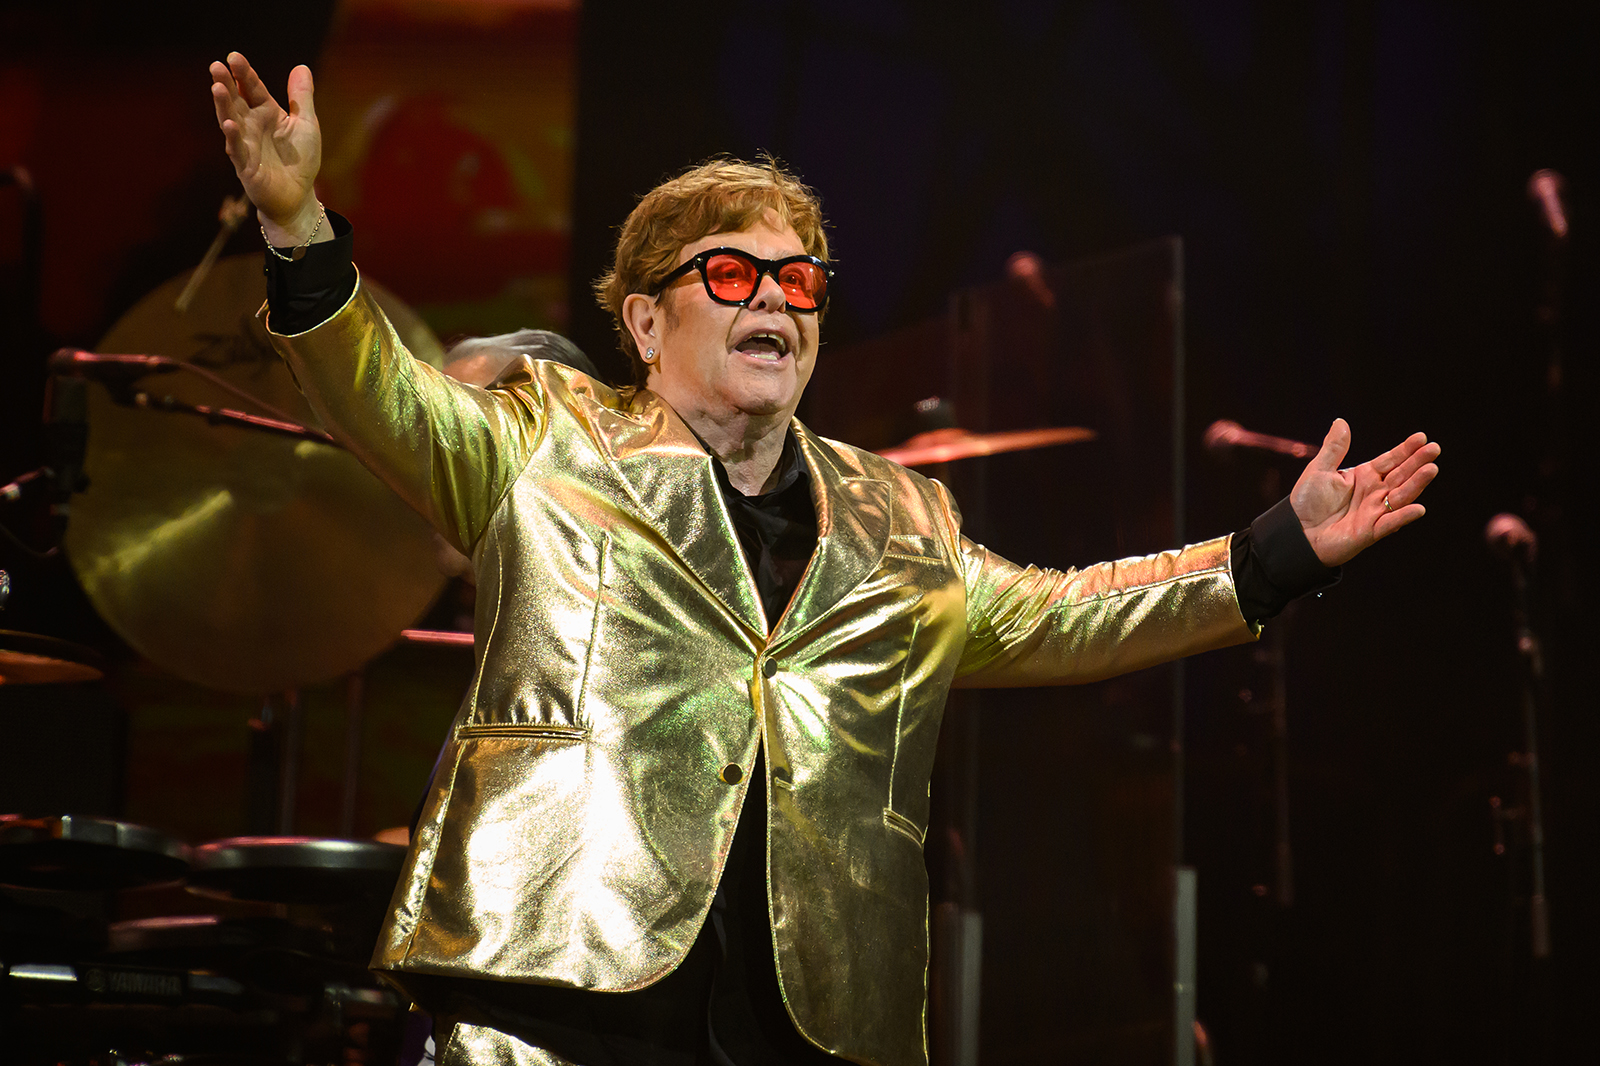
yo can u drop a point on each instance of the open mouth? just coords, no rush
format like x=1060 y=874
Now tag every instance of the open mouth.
x=767 y=345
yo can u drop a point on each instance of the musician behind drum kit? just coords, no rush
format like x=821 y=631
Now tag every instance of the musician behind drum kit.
x=680 y=816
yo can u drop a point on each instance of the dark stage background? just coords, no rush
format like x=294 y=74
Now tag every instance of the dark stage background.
x=1349 y=183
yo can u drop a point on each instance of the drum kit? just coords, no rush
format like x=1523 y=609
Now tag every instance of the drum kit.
x=241 y=550
x=257 y=955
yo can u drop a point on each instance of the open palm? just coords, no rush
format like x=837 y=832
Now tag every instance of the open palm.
x=1346 y=511
x=276 y=153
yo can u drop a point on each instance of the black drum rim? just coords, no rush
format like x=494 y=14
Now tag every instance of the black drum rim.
x=292 y=853
x=89 y=830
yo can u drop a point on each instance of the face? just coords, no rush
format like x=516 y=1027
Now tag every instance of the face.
x=721 y=360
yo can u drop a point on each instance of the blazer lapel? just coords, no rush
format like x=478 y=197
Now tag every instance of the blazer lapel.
x=852 y=533
x=669 y=476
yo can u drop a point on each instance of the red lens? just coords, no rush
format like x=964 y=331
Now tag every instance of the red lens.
x=730 y=277
x=804 y=285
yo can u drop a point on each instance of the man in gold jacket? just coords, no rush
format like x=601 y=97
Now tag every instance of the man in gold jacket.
x=696 y=616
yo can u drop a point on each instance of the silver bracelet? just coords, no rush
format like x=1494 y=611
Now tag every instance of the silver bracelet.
x=298 y=252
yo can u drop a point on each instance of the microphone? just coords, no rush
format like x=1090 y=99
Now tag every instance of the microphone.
x=1224 y=435
x=111 y=369
x=1545 y=189
x=1028 y=268
x=1509 y=537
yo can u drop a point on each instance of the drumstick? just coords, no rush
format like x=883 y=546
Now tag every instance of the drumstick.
x=234 y=210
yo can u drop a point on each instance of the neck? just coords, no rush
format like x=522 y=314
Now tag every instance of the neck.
x=748 y=446
x=749 y=454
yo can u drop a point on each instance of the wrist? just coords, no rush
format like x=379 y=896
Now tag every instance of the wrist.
x=305 y=225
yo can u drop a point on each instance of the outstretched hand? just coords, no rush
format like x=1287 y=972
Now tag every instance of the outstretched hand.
x=276 y=153
x=1343 y=512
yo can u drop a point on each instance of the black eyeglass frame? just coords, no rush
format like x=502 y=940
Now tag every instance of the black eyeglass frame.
x=763 y=268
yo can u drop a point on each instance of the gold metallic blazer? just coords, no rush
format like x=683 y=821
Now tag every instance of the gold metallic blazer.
x=585 y=803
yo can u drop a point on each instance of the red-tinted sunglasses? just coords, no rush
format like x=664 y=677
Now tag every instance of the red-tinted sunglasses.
x=732 y=277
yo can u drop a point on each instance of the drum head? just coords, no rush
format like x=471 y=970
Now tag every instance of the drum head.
x=75 y=852
x=298 y=869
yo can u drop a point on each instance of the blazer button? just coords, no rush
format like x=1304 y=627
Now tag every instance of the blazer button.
x=732 y=774
x=770 y=667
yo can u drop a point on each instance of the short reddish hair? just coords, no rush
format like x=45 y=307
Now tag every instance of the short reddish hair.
x=719 y=196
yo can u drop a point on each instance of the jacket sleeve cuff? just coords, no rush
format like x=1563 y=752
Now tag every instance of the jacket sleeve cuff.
x=1273 y=564
x=305 y=292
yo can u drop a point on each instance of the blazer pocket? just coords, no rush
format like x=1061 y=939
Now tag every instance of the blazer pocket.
x=529 y=730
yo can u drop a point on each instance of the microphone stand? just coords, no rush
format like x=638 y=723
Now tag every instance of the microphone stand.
x=1267 y=936
x=222 y=416
x=118 y=373
x=1546 y=189
x=1531 y=653
x=1271 y=654
x=1511 y=538
x=66 y=430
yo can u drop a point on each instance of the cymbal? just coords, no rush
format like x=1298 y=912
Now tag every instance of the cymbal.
x=239 y=560
x=29 y=659
x=948 y=445
x=460 y=638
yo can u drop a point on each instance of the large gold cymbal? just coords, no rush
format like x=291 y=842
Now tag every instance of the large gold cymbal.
x=239 y=560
